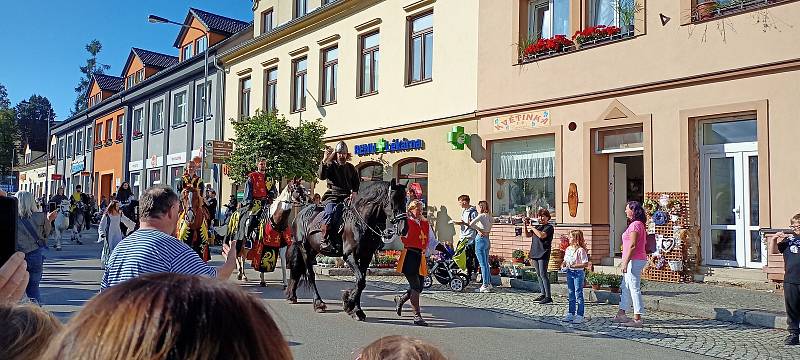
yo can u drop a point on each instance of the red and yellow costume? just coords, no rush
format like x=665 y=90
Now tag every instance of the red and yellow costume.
x=265 y=254
x=194 y=220
x=416 y=239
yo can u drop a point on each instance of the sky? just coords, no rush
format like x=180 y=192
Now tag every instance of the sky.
x=43 y=42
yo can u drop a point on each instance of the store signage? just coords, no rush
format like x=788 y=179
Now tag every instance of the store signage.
x=23 y=176
x=77 y=167
x=155 y=161
x=220 y=151
x=383 y=146
x=522 y=121
x=136 y=165
x=457 y=138
x=177 y=158
x=57 y=176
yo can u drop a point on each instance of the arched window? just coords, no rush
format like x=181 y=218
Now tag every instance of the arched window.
x=370 y=171
x=414 y=170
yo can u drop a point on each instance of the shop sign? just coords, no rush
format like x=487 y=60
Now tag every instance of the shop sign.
x=41 y=174
x=176 y=159
x=457 y=138
x=136 y=165
x=383 y=146
x=23 y=176
x=155 y=161
x=77 y=167
x=522 y=121
x=57 y=176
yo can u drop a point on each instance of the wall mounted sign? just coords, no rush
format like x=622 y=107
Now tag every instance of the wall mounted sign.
x=155 y=161
x=23 y=176
x=136 y=165
x=383 y=146
x=78 y=167
x=522 y=121
x=457 y=138
x=176 y=159
x=56 y=176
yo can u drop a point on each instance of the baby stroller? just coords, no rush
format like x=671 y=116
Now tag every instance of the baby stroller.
x=445 y=270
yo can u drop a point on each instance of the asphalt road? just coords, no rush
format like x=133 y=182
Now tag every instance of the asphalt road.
x=72 y=276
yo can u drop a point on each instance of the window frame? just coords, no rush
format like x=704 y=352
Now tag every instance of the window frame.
x=109 y=130
x=180 y=109
x=197 y=42
x=150 y=173
x=137 y=123
x=271 y=96
x=295 y=75
x=245 y=93
x=269 y=13
x=79 y=142
x=187 y=48
x=89 y=131
x=119 y=128
x=410 y=53
x=198 y=115
x=99 y=131
x=371 y=51
x=159 y=115
x=296 y=8
x=70 y=145
x=334 y=66
x=61 y=148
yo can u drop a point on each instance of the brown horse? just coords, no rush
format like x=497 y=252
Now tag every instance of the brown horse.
x=193 y=223
x=378 y=204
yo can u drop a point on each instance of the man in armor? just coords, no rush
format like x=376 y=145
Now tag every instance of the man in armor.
x=259 y=191
x=343 y=181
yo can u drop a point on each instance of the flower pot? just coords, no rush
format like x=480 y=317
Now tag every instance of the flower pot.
x=675 y=265
x=494 y=271
x=705 y=10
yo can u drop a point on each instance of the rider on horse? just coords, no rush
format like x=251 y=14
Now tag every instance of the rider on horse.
x=343 y=182
x=259 y=191
x=193 y=232
x=78 y=197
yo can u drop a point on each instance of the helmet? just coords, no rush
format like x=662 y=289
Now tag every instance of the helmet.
x=341 y=148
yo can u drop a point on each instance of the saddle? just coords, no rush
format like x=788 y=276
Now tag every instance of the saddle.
x=335 y=232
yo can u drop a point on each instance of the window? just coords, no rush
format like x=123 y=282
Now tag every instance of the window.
x=53 y=150
x=370 y=50
x=157 y=116
x=61 y=148
x=202 y=44
x=175 y=174
x=79 y=142
x=179 y=109
x=271 y=90
x=330 y=68
x=266 y=21
x=547 y=18
x=603 y=12
x=109 y=129
x=120 y=121
x=421 y=48
x=299 y=69
x=244 y=97
x=140 y=76
x=371 y=171
x=129 y=81
x=619 y=139
x=725 y=132
x=135 y=185
x=138 y=114
x=89 y=143
x=300 y=8
x=99 y=129
x=155 y=177
x=523 y=176
x=412 y=171
x=69 y=145
x=187 y=51
x=200 y=100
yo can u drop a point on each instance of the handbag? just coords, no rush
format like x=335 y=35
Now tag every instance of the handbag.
x=29 y=227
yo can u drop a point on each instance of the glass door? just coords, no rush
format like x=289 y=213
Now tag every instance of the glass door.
x=755 y=250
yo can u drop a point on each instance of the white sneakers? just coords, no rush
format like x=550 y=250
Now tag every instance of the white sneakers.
x=575 y=319
x=484 y=289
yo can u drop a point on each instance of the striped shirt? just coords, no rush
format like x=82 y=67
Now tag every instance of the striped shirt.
x=152 y=251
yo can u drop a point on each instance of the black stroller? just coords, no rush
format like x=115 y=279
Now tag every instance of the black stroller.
x=446 y=272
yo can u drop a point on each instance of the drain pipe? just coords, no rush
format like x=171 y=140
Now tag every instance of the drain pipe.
x=220 y=123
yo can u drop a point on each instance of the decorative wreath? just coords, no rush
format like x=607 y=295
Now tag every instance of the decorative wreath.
x=650 y=206
x=674 y=206
x=660 y=218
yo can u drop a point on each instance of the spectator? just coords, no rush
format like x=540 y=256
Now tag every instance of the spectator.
x=211 y=205
x=109 y=230
x=124 y=194
x=13 y=278
x=789 y=246
x=33 y=227
x=399 y=347
x=541 y=241
x=634 y=259
x=171 y=316
x=483 y=224
x=103 y=203
x=468 y=213
x=26 y=331
x=317 y=199
x=153 y=248
x=575 y=261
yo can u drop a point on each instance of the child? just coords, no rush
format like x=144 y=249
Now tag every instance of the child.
x=789 y=246
x=575 y=260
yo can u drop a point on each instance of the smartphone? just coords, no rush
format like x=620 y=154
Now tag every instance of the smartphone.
x=8 y=226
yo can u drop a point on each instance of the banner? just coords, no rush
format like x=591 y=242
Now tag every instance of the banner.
x=522 y=121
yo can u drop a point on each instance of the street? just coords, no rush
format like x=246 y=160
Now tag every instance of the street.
x=463 y=325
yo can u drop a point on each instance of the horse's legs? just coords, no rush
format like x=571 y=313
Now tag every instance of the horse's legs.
x=296 y=273
x=263 y=283
x=282 y=253
x=58 y=239
x=242 y=260
x=319 y=305
x=354 y=299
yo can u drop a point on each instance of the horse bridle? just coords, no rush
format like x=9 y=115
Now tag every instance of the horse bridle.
x=396 y=219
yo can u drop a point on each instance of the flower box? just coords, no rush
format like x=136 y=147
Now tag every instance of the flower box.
x=595 y=34
x=546 y=47
x=137 y=133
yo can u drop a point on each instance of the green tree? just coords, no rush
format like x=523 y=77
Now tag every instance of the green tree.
x=290 y=151
x=8 y=140
x=4 y=102
x=88 y=70
x=32 y=116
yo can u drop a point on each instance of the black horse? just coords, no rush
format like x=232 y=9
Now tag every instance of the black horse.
x=364 y=224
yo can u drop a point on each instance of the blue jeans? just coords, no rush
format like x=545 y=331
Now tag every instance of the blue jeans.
x=35 y=260
x=575 y=286
x=331 y=213
x=482 y=253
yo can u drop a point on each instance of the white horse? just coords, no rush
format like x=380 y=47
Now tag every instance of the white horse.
x=78 y=222
x=61 y=222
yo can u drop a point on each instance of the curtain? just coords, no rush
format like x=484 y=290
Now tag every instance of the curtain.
x=603 y=12
x=527 y=165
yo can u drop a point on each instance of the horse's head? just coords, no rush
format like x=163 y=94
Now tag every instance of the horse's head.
x=64 y=206
x=397 y=208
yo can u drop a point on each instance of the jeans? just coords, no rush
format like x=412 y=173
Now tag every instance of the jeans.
x=331 y=213
x=35 y=260
x=575 y=286
x=541 y=272
x=482 y=253
x=631 y=288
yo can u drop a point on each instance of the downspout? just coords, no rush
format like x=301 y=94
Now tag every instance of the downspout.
x=220 y=123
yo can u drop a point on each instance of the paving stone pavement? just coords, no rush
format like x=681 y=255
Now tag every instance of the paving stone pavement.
x=701 y=336
x=723 y=296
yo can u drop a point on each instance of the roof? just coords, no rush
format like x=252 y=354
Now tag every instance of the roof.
x=213 y=22
x=38 y=159
x=108 y=82
x=150 y=59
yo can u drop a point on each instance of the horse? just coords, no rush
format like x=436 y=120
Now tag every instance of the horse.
x=363 y=221
x=78 y=221
x=61 y=223
x=194 y=222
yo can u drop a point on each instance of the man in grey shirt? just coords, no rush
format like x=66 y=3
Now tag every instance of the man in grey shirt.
x=468 y=213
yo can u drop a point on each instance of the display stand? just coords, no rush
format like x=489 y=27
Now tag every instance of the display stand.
x=671 y=263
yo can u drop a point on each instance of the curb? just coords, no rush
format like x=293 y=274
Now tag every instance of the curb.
x=329 y=271
x=658 y=303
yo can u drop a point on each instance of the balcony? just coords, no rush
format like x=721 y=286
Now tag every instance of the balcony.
x=119 y=139
x=582 y=40
x=707 y=10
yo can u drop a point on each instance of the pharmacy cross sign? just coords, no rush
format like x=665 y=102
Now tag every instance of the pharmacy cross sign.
x=457 y=138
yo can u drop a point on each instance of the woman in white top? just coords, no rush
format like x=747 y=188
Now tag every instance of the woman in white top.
x=110 y=231
x=483 y=223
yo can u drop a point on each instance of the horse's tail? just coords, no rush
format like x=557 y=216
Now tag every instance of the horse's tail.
x=298 y=268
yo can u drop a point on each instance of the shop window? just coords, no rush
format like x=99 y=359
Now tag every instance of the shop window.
x=523 y=176
x=175 y=174
x=619 y=139
x=370 y=171
x=155 y=177
x=414 y=170
x=135 y=184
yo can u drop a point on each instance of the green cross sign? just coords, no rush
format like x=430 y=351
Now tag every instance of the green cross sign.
x=457 y=138
x=381 y=145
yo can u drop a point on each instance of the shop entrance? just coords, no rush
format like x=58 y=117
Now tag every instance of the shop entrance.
x=729 y=193
x=105 y=186
x=625 y=183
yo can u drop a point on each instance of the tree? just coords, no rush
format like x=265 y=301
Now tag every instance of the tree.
x=90 y=69
x=291 y=152
x=8 y=140
x=4 y=102
x=32 y=116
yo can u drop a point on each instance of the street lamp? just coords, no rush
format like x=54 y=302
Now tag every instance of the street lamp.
x=160 y=20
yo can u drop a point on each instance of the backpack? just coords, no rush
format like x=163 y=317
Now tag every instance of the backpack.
x=650 y=244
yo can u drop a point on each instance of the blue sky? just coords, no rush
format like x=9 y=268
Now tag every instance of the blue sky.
x=43 y=41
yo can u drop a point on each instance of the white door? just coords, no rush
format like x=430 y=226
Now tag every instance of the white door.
x=618 y=182
x=730 y=209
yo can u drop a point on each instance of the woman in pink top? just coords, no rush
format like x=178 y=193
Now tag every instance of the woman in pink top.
x=634 y=259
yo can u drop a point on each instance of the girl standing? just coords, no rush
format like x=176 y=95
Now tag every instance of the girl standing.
x=110 y=231
x=575 y=260
x=483 y=223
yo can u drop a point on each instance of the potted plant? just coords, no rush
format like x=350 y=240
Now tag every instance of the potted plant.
x=613 y=281
x=552 y=45
x=705 y=10
x=518 y=256
x=594 y=34
x=137 y=133
x=626 y=11
x=494 y=264
x=594 y=279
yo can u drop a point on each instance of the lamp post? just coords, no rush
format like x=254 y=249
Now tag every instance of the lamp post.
x=160 y=20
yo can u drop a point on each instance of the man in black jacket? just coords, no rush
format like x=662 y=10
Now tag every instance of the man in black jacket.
x=343 y=181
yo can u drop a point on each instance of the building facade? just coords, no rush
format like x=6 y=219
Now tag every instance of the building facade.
x=33 y=172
